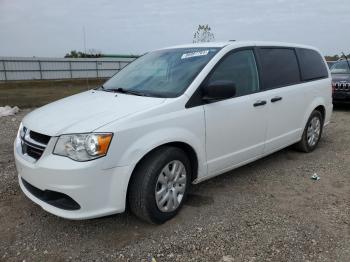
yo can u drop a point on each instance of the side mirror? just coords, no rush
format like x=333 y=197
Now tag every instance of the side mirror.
x=218 y=90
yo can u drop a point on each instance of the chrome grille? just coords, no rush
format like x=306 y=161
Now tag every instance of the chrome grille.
x=342 y=86
x=33 y=144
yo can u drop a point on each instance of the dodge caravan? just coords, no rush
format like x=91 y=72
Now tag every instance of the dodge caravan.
x=171 y=118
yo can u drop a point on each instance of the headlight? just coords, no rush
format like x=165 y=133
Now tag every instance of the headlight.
x=83 y=147
x=20 y=132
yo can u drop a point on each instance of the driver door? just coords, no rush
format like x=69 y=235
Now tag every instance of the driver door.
x=236 y=127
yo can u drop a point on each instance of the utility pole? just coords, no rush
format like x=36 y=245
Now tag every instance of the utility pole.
x=84 y=41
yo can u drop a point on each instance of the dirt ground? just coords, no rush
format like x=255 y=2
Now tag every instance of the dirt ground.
x=26 y=94
x=269 y=210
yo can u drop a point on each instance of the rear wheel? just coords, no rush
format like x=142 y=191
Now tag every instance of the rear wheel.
x=312 y=132
x=159 y=185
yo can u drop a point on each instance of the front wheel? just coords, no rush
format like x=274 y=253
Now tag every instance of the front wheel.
x=160 y=184
x=312 y=132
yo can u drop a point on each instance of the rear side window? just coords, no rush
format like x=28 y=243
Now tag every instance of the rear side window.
x=311 y=64
x=279 y=67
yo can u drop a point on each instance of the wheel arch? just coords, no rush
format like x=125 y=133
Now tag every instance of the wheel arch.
x=317 y=104
x=188 y=149
x=322 y=110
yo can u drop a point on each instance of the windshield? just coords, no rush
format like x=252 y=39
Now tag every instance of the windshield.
x=163 y=73
x=341 y=67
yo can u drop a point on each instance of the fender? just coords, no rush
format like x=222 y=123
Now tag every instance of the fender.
x=150 y=141
x=318 y=101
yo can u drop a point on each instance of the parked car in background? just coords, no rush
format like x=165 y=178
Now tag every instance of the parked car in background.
x=340 y=72
x=173 y=117
x=330 y=64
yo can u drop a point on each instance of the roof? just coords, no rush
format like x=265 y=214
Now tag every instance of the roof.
x=240 y=43
x=203 y=44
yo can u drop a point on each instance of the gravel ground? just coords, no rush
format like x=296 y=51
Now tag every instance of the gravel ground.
x=269 y=210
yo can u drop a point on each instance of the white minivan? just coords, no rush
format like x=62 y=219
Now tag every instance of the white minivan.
x=173 y=117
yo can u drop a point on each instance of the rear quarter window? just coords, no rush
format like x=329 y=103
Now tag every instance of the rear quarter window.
x=279 y=67
x=311 y=64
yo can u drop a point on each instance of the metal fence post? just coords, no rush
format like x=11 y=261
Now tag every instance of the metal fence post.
x=41 y=72
x=70 y=69
x=96 y=69
x=3 y=65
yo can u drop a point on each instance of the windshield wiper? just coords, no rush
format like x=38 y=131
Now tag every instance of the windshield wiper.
x=127 y=91
x=103 y=89
x=123 y=91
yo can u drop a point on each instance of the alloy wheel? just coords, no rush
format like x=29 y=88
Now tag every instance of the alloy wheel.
x=313 y=131
x=171 y=186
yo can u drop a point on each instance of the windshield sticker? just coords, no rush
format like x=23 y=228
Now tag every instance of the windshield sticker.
x=193 y=54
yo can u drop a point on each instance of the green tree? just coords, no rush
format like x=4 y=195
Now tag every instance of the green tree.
x=78 y=54
x=72 y=54
x=203 y=34
x=332 y=57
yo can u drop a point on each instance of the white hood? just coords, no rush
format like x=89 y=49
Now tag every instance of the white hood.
x=86 y=112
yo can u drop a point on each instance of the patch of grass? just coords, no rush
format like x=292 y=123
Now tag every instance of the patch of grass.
x=26 y=94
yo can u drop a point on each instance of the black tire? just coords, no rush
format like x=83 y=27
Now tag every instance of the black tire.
x=303 y=144
x=141 y=195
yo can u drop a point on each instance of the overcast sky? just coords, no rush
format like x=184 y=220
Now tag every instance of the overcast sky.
x=54 y=27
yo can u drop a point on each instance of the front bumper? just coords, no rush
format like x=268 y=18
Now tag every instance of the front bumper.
x=98 y=191
x=341 y=97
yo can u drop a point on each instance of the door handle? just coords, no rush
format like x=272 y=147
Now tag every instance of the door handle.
x=275 y=99
x=260 y=103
